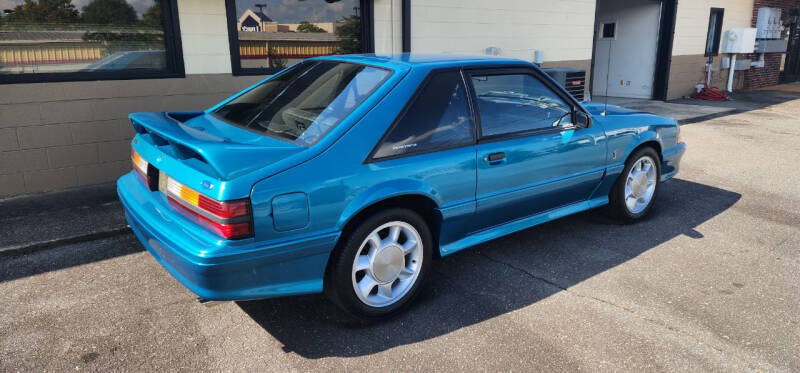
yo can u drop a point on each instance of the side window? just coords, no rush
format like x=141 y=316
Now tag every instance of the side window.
x=438 y=118
x=517 y=102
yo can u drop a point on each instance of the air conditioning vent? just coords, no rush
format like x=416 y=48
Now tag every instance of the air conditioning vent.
x=573 y=80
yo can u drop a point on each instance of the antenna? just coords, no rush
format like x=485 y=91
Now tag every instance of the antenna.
x=260 y=7
x=608 y=74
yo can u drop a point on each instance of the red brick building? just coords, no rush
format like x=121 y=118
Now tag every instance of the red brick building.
x=770 y=74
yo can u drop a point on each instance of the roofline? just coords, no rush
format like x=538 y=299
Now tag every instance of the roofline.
x=393 y=60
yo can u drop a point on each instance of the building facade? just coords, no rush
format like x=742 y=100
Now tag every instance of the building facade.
x=66 y=87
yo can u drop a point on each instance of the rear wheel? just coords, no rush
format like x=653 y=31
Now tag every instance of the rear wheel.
x=380 y=265
x=636 y=188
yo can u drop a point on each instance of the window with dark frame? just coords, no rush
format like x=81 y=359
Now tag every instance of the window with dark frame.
x=70 y=40
x=268 y=35
x=512 y=103
x=608 y=30
x=438 y=119
x=714 y=31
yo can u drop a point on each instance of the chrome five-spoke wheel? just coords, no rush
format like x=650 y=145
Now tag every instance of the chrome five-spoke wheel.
x=640 y=185
x=387 y=264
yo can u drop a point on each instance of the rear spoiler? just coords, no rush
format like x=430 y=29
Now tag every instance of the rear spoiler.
x=225 y=158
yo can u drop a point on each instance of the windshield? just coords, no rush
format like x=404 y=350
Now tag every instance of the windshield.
x=306 y=101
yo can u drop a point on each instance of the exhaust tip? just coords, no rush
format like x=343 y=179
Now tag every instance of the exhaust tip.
x=210 y=303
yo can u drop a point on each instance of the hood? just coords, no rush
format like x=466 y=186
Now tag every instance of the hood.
x=596 y=108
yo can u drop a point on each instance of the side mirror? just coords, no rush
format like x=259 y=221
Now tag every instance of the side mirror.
x=582 y=119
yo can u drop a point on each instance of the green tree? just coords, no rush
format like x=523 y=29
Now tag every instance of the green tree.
x=306 y=26
x=349 y=32
x=152 y=16
x=43 y=11
x=105 y=12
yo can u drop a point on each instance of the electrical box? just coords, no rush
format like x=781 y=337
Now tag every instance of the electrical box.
x=739 y=40
x=768 y=23
x=771 y=46
x=742 y=65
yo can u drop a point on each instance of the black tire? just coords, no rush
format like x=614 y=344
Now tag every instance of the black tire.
x=339 y=280
x=616 y=206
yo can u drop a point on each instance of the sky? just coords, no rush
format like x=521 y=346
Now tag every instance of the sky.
x=295 y=11
x=140 y=5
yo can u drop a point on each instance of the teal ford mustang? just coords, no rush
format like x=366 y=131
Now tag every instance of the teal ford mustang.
x=350 y=174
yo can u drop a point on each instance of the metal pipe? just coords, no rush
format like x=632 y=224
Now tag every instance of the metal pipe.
x=730 y=72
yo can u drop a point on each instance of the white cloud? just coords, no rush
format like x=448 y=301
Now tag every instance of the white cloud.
x=9 y=4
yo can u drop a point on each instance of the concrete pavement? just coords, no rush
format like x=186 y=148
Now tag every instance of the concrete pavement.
x=709 y=282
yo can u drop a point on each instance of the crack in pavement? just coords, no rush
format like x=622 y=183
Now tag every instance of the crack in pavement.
x=651 y=321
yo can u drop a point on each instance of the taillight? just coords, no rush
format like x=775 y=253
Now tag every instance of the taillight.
x=139 y=164
x=229 y=219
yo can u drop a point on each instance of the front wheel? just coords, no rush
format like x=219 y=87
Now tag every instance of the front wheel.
x=636 y=188
x=380 y=265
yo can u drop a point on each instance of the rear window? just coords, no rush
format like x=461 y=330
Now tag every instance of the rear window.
x=304 y=102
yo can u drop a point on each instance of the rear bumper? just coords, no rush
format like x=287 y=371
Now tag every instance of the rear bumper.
x=217 y=269
x=671 y=162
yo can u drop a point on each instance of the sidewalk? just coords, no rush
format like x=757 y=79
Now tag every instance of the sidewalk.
x=689 y=110
x=42 y=221
x=684 y=111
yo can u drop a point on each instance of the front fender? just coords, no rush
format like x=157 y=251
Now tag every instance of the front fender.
x=650 y=134
x=385 y=190
x=623 y=139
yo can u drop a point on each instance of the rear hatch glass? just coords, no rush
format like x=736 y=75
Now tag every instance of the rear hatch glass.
x=305 y=102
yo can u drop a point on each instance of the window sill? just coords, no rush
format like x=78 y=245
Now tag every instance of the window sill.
x=86 y=76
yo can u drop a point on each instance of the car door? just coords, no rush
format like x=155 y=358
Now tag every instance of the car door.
x=537 y=149
x=431 y=145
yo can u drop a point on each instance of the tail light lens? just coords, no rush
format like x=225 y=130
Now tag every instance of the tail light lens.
x=139 y=164
x=229 y=219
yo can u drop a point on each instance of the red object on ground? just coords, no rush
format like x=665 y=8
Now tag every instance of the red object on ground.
x=710 y=94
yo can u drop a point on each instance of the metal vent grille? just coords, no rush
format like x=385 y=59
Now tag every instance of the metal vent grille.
x=573 y=80
x=575 y=84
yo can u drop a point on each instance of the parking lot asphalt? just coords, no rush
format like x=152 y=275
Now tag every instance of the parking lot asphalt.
x=711 y=282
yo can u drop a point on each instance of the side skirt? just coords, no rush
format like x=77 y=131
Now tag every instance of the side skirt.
x=520 y=224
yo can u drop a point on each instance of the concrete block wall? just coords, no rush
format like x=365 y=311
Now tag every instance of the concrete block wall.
x=562 y=29
x=204 y=35
x=388 y=26
x=61 y=135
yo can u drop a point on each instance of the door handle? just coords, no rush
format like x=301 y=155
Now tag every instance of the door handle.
x=494 y=157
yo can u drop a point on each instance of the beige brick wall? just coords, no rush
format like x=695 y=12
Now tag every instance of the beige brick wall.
x=388 y=26
x=691 y=27
x=686 y=71
x=204 y=35
x=61 y=135
x=562 y=29
x=691 y=24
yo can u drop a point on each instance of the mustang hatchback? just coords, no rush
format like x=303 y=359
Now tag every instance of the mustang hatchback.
x=350 y=174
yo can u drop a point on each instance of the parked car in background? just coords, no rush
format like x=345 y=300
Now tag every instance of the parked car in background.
x=350 y=174
x=149 y=59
